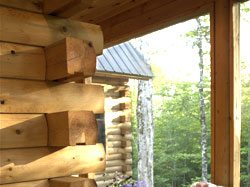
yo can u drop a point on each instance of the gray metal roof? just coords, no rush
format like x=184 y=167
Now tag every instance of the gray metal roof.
x=125 y=60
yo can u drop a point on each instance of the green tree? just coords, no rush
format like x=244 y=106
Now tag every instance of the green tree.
x=245 y=104
x=200 y=38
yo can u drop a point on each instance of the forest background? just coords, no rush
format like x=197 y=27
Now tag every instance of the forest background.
x=180 y=60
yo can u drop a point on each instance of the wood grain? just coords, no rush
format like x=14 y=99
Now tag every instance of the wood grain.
x=72 y=128
x=23 y=130
x=36 y=29
x=40 y=183
x=23 y=96
x=28 y=5
x=64 y=162
x=150 y=16
x=72 y=182
x=66 y=8
x=22 y=61
x=70 y=57
x=225 y=107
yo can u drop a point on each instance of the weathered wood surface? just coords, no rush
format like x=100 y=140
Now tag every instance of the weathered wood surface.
x=104 y=183
x=114 y=131
x=70 y=57
x=122 y=116
x=114 y=169
x=23 y=130
x=36 y=29
x=119 y=137
x=72 y=128
x=23 y=96
x=72 y=182
x=118 y=144
x=122 y=126
x=64 y=162
x=22 y=61
x=119 y=150
x=111 y=102
x=119 y=156
x=118 y=162
x=104 y=177
x=40 y=183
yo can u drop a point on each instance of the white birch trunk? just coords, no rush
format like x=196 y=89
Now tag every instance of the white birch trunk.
x=202 y=115
x=145 y=132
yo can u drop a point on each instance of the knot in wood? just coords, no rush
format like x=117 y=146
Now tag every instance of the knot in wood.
x=64 y=29
x=90 y=44
x=18 y=131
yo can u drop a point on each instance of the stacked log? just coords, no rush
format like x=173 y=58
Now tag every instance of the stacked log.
x=48 y=130
x=118 y=131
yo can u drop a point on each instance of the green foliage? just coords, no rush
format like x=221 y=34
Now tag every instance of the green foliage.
x=177 y=157
x=245 y=126
x=177 y=135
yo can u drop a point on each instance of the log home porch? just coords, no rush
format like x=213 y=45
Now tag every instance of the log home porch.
x=39 y=31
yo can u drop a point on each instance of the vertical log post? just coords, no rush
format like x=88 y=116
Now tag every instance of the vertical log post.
x=225 y=93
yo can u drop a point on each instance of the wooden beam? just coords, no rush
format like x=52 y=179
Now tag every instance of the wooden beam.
x=119 y=137
x=22 y=61
x=123 y=126
x=40 y=183
x=226 y=101
x=64 y=129
x=70 y=57
x=36 y=29
x=149 y=17
x=113 y=169
x=118 y=162
x=101 y=10
x=28 y=5
x=66 y=59
x=50 y=7
x=66 y=8
x=64 y=162
x=23 y=156
x=90 y=183
x=72 y=182
x=72 y=128
x=23 y=130
x=23 y=96
x=119 y=150
x=107 y=176
x=110 y=81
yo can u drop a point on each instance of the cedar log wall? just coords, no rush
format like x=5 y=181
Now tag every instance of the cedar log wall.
x=117 y=129
x=48 y=128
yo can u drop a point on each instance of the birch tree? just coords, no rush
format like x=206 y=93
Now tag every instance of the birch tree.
x=201 y=38
x=145 y=132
